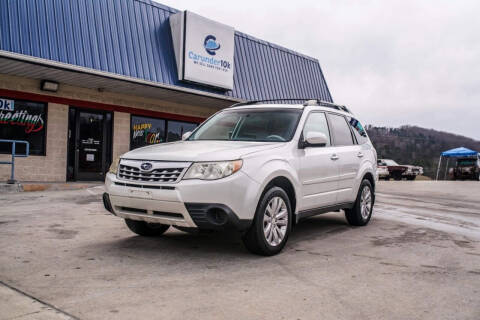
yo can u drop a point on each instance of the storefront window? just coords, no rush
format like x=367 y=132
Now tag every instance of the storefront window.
x=146 y=131
x=177 y=128
x=23 y=120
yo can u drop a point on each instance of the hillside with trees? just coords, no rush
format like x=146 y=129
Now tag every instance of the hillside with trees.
x=416 y=146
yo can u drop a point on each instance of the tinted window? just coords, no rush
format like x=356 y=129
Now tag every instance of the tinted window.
x=250 y=125
x=358 y=130
x=317 y=121
x=146 y=131
x=341 y=131
x=176 y=129
x=23 y=120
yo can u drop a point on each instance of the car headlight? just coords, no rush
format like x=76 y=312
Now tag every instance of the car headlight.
x=114 y=166
x=212 y=170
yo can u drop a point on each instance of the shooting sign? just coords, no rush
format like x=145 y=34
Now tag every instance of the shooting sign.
x=23 y=120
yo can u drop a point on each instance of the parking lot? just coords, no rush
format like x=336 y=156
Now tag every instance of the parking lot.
x=63 y=256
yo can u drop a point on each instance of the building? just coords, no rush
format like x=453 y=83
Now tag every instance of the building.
x=87 y=80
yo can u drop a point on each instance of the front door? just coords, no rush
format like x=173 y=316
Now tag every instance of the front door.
x=318 y=170
x=90 y=137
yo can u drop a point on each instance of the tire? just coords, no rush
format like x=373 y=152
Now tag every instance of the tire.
x=255 y=239
x=354 y=216
x=411 y=178
x=146 y=229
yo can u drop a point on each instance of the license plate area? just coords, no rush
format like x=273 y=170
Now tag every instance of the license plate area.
x=139 y=193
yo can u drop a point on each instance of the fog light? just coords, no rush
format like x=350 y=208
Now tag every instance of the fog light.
x=217 y=216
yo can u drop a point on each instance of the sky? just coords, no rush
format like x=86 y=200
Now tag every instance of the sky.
x=392 y=62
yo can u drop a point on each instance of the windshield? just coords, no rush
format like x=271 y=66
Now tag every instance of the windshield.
x=389 y=162
x=276 y=125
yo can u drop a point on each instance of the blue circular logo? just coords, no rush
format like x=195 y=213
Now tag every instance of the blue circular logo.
x=211 y=45
x=146 y=166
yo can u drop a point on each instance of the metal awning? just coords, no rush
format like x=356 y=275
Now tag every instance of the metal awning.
x=42 y=69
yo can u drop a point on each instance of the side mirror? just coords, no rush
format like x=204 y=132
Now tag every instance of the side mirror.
x=186 y=135
x=315 y=139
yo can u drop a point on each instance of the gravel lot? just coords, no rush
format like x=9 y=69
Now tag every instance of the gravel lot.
x=63 y=256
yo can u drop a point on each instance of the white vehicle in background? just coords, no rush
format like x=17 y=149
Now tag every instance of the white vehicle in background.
x=255 y=168
x=397 y=171
x=412 y=172
x=382 y=172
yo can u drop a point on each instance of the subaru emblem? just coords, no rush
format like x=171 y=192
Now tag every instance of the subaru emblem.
x=146 y=166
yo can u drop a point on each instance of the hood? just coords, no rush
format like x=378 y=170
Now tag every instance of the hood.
x=200 y=150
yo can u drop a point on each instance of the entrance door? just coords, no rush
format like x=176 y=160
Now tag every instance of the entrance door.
x=91 y=139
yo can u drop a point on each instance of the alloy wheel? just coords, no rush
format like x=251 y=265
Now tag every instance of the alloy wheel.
x=275 y=221
x=366 y=202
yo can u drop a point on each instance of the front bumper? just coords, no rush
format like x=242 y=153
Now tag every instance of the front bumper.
x=220 y=204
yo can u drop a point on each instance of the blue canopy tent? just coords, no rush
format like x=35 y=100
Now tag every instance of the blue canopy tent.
x=455 y=153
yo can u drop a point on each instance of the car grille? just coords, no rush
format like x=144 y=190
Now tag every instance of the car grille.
x=155 y=175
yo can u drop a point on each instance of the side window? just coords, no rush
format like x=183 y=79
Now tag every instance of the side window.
x=358 y=130
x=341 y=132
x=317 y=121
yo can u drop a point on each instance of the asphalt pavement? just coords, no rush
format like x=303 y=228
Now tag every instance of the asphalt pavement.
x=62 y=256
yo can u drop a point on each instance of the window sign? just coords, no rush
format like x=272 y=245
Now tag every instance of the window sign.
x=6 y=104
x=146 y=131
x=23 y=120
x=176 y=129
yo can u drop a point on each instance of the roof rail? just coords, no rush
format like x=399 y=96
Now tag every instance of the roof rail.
x=316 y=102
x=267 y=100
x=306 y=103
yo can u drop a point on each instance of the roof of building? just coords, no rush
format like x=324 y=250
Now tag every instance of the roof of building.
x=131 y=38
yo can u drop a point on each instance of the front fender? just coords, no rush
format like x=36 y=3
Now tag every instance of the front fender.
x=272 y=169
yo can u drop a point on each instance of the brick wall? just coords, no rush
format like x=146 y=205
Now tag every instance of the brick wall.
x=121 y=133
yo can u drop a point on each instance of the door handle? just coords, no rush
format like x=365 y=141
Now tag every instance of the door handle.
x=360 y=155
x=334 y=157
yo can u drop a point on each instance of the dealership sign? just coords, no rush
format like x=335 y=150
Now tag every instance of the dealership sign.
x=203 y=50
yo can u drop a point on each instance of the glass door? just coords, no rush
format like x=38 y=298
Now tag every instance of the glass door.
x=90 y=144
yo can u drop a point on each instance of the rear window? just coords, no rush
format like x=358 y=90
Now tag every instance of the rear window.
x=466 y=162
x=358 y=130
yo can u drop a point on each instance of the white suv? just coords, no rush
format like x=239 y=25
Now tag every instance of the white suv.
x=255 y=168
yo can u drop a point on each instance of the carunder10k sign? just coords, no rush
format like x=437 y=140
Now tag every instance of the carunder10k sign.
x=203 y=50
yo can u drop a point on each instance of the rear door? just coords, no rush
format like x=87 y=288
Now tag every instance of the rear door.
x=349 y=156
x=318 y=168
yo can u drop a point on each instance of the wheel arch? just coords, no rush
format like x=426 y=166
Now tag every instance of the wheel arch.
x=369 y=176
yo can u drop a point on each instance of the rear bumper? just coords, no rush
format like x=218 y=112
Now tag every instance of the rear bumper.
x=413 y=173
